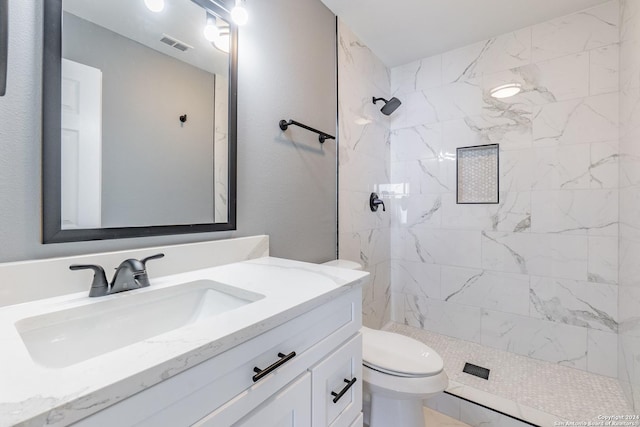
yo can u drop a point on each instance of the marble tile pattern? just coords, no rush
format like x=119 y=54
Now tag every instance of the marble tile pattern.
x=535 y=391
x=629 y=211
x=363 y=141
x=538 y=273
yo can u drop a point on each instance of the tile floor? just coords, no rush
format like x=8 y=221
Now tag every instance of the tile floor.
x=436 y=419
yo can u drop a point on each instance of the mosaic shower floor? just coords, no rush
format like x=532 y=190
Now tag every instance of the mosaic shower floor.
x=539 y=392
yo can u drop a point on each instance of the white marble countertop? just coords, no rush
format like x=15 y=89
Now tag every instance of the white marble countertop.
x=33 y=395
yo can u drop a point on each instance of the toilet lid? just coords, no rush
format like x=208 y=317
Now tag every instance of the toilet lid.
x=398 y=354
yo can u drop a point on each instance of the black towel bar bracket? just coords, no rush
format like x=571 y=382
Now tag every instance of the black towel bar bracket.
x=4 y=37
x=322 y=137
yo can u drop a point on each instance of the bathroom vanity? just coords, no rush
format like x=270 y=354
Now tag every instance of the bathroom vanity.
x=262 y=342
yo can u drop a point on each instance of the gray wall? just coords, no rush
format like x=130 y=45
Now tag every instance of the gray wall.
x=286 y=182
x=149 y=157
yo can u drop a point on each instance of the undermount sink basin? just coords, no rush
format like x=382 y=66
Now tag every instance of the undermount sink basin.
x=69 y=336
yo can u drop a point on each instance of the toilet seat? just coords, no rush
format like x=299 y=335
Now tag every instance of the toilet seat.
x=394 y=373
x=404 y=387
x=398 y=355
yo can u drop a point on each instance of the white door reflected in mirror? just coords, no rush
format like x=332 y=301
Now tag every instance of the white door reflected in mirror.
x=81 y=146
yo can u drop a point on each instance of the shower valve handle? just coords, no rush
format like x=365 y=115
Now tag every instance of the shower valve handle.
x=375 y=202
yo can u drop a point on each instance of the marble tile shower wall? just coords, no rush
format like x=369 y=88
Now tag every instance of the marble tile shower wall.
x=363 y=168
x=629 y=272
x=536 y=274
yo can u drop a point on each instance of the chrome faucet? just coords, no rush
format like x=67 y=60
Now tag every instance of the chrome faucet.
x=131 y=274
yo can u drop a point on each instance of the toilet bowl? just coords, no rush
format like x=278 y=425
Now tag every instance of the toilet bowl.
x=398 y=372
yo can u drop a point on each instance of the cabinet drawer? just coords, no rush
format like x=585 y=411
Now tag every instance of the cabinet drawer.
x=290 y=407
x=189 y=396
x=337 y=386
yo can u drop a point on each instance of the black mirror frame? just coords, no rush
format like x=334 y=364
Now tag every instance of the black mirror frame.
x=52 y=231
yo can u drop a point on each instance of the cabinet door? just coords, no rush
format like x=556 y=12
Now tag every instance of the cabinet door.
x=291 y=407
x=359 y=422
x=337 y=386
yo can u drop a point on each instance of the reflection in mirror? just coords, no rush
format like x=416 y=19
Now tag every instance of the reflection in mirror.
x=143 y=98
x=144 y=113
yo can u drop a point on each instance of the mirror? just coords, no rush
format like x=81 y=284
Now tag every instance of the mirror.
x=139 y=120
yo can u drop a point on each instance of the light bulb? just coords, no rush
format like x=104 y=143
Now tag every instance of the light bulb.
x=154 y=5
x=222 y=41
x=239 y=14
x=210 y=32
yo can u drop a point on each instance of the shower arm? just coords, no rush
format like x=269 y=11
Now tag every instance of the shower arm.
x=322 y=137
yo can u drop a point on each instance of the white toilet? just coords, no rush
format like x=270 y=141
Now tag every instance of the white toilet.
x=398 y=373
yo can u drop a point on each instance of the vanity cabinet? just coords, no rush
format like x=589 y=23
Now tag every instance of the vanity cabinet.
x=337 y=386
x=289 y=375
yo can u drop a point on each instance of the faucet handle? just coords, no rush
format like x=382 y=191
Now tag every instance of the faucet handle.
x=99 y=285
x=143 y=278
x=149 y=258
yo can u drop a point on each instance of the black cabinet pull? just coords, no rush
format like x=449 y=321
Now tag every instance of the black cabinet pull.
x=346 y=388
x=261 y=373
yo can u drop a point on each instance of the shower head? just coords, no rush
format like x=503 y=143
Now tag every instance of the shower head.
x=389 y=106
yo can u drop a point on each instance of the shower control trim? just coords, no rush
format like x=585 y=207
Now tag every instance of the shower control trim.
x=375 y=202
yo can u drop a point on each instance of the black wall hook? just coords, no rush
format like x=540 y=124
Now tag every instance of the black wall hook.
x=183 y=118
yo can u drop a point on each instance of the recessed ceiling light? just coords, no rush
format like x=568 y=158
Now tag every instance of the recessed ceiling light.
x=506 y=91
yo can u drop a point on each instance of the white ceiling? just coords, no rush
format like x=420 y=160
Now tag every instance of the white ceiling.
x=401 y=31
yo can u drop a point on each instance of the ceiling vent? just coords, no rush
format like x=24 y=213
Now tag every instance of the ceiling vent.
x=175 y=43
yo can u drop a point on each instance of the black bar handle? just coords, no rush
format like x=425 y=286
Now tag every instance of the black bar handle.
x=322 y=136
x=346 y=388
x=261 y=373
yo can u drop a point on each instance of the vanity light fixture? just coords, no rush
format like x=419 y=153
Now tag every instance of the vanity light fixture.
x=239 y=13
x=217 y=32
x=211 y=31
x=506 y=91
x=223 y=41
x=154 y=5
